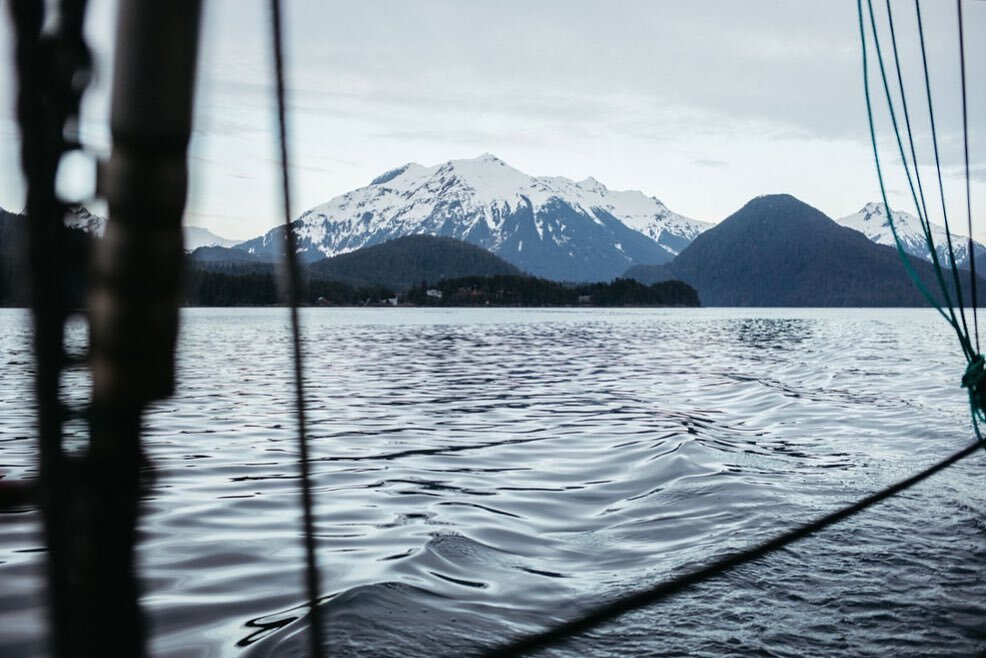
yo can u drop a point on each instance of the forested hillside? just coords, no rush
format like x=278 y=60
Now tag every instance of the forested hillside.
x=405 y=262
x=14 y=273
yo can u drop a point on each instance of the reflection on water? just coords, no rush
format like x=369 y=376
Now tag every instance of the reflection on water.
x=482 y=473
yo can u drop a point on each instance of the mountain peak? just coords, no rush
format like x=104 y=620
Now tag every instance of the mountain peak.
x=80 y=217
x=873 y=222
x=592 y=185
x=549 y=226
x=485 y=162
x=873 y=208
x=773 y=208
x=779 y=251
x=489 y=157
x=775 y=201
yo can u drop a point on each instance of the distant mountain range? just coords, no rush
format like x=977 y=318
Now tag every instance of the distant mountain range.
x=481 y=217
x=779 y=251
x=872 y=221
x=547 y=226
x=194 y=236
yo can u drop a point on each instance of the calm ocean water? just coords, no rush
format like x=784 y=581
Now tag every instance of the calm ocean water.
x=480 y=473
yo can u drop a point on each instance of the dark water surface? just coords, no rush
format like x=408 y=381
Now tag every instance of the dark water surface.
x=481 y=473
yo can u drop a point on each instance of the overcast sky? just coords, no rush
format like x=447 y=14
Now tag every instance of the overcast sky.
x=702 y=104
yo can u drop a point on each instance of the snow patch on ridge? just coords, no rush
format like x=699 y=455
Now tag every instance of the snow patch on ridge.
x=873 y=222
x=484 y=190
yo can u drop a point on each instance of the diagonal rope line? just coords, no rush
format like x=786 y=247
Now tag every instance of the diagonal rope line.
x=294 y=298
x=908 y=265
x=934 y=142
x=922 y=208
x=652 y=595
x=974 y=378
x=968 y=195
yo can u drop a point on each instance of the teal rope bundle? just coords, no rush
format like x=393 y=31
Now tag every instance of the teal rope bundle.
x=965 y=144
x=974 y=378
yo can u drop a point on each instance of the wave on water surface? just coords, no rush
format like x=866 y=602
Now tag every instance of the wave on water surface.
x=481 y=474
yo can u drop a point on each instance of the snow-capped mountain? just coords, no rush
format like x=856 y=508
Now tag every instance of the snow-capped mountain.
x=872 y=222
x=195 y=236
x=79 y=217
x=548 y=226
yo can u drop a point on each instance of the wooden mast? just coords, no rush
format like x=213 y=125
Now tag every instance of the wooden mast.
x=135 y=294
x=90 y=504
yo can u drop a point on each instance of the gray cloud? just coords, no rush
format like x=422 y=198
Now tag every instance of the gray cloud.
x=728 y=92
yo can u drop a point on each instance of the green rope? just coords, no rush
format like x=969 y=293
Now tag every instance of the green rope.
x=968 y=193
x=879 y=171
x=934 y=142
x=922 y=208
x=974 y=378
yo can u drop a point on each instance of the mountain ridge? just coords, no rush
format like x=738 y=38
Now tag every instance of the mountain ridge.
x=80 y=217
x=778 y=251
x=872 y=221
x=548 y=226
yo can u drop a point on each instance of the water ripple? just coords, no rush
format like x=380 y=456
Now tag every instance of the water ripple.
x=481 y=473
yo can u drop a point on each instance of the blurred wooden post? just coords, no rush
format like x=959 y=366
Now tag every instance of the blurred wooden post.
x=134 y=300
x=42 y=122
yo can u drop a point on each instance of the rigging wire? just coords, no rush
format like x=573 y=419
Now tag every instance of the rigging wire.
x=968 y=195
x=908 y=265
x=657 y=593
x=974 y=378
x=293 y=285
x=922 y=209
x=934 y=142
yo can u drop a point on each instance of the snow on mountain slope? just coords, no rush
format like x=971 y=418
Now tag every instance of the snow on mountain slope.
x=549 y=226
x=79 y=217
x=872 y=222
x=195 y=236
